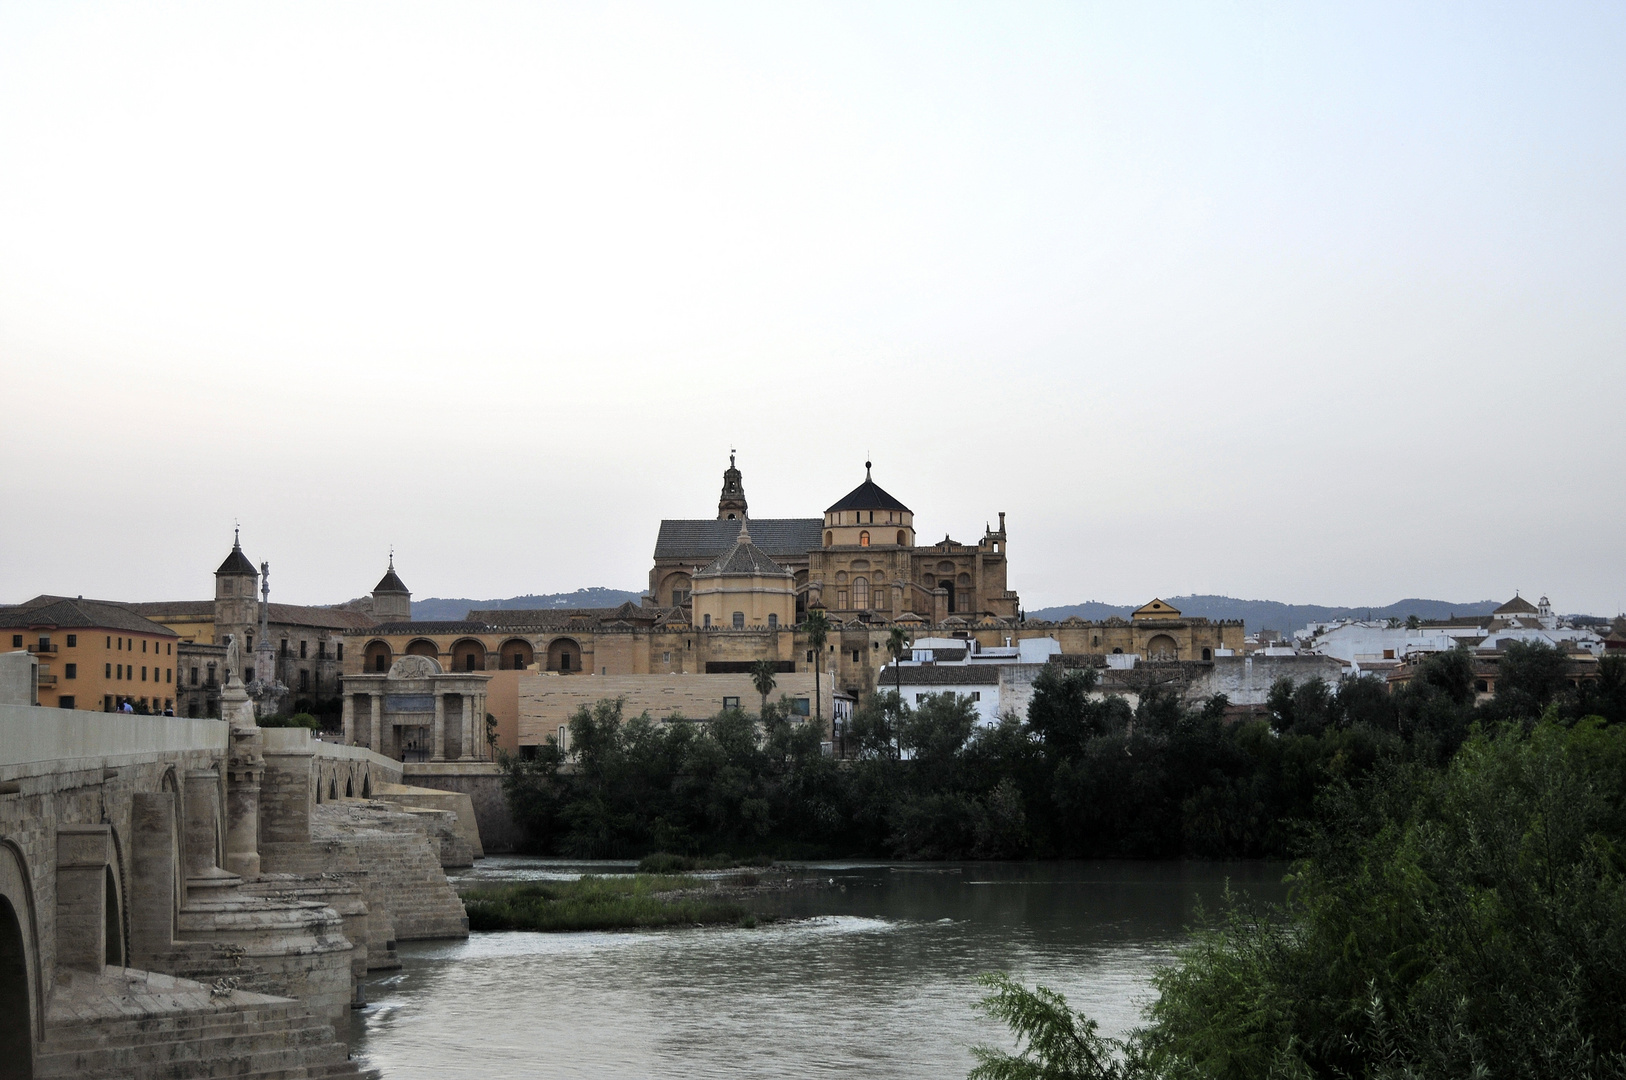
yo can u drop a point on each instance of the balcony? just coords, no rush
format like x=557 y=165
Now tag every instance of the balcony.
x=47 y=680
x=41 y=647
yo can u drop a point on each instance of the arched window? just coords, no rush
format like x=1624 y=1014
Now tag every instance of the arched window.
x=863 y=538
x=773 y=621
x=1208 y=653
x=901 y=540
x=861 y=591
x=829 y=538
x=739 y=620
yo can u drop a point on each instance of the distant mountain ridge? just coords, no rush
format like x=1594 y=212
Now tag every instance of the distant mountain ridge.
x=436 y=607
x=1259 y=615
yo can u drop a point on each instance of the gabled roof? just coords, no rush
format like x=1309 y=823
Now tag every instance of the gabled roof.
x=744 y=559
x=702 y=540
x=867 y=496
x=1517 y=606
x=1157 y=608
x=80 y=614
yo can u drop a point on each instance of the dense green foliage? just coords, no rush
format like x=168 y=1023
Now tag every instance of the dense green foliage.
x=1081 y=775
x=599 y=903
x=1467 y=921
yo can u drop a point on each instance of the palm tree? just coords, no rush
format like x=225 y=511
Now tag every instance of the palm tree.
x=762 y=673
x=818 y=632
x=897 y=643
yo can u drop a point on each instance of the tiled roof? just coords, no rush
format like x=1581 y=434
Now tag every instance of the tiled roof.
x=703 y=539
x=432 y=626
x=89 y=614
x=1517 y=606
x=867 y=496
x=744 y=559
x=321 y=617
x=169 y=609
x=943 y=675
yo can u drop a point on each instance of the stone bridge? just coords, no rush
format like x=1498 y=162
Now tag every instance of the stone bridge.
x=197 y=898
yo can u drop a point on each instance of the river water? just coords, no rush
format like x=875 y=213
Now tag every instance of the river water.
x=873 y=976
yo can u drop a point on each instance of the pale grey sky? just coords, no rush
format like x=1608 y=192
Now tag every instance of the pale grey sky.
x=1314 y=303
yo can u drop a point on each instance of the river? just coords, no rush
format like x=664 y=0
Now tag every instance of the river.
x=873 y=976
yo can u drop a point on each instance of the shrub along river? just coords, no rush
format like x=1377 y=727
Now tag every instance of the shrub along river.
x=873 y=975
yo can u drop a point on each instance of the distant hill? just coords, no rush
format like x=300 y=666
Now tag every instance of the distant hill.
x=436 y=607
x=1270 y=615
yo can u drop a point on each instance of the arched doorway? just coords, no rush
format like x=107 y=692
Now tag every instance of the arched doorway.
x=423 y=647
x=1162 y=647
x=377 y=657
x=515 y=654
x=468 y=655
x=564 y=654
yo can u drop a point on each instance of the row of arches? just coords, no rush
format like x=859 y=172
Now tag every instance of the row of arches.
x=563 y=654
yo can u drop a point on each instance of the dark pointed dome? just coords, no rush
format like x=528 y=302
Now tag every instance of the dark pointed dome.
x=390 y=583
x=868 y=496
x=236 y=562
x=744 y=559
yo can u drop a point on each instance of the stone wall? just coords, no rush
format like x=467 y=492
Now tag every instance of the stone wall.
x=481 y=782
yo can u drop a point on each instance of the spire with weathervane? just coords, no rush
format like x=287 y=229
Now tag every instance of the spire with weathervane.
x=732 y=503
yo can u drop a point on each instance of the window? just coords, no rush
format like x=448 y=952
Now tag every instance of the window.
x=284 y=646
x=305 y=678
x=70 y=671
x=338 y=651
x=73 y=641
x=773 y=621
x=120 y=674
x=801 y=707
x=211 y=674
x=975 y=695
x=900 y=538
x=860 y=593
x=919 y=698
x=194 y=676
x=248 y=642
x=829 y=538
x=143 y=672
x=16 y=641
x=321 y=650
x=248 y=674
x=143 y=644
x=108 y=673
x=169 y=650
x=841 y=599
x=680 y=597
x=302 y=650
x=110 y=641
x=858 y=654
x=863 y=537
x=738 y=620
x=810 y=656
x=1208 y=654
x=666 y=658
x=121 y=643
x=169 y=674
x=731 y=703
x=707 y=623
x=64 y=701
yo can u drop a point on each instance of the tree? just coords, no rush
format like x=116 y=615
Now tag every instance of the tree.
x=1413 y=622
x=762 y=673
x=897 y=643
x=817 y=627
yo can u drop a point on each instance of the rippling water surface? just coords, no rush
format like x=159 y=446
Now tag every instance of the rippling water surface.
x=872 y=977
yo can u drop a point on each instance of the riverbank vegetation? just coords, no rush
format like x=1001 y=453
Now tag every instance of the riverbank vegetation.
x=1080 y=776
x=619 y=902
x=1463 y=921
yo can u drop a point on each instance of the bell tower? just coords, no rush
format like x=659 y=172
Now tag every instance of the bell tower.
x=732 y=504
x=392 y=600
x=237 y=609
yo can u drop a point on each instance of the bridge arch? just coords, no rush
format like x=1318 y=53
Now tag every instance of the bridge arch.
x=22 y=994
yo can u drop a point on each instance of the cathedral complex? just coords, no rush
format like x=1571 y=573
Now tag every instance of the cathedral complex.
x=859 y=561
x=730 y=590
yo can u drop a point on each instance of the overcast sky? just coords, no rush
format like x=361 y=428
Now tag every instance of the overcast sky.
x=1299 y=302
